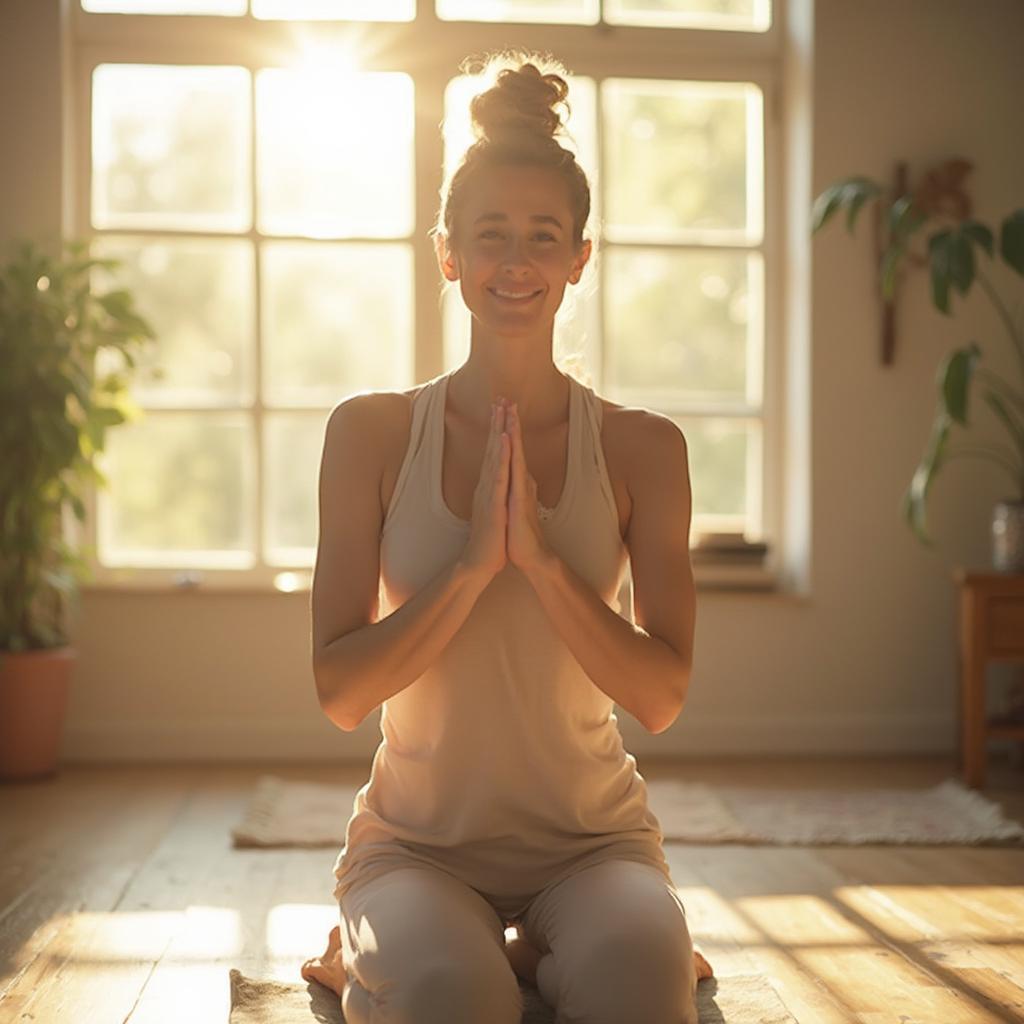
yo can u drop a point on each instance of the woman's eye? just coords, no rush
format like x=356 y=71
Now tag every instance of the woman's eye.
x=543 y=236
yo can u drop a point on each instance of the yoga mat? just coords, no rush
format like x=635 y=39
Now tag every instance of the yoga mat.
x=740 y=999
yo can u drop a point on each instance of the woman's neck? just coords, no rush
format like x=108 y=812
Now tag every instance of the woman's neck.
x=539 y=389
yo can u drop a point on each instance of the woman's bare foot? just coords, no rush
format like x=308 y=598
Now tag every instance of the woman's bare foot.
x=328 y=968
x=703 y=967
x=524 y=959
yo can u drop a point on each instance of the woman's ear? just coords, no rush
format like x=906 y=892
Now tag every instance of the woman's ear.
x=582 y=256
x=446 y=258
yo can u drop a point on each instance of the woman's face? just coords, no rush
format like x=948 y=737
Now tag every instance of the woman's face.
x=513 y=251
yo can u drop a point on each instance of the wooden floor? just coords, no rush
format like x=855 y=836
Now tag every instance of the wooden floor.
x=121 y=899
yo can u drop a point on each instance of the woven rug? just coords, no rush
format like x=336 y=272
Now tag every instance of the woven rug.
x=740 y=999
x=312 y=814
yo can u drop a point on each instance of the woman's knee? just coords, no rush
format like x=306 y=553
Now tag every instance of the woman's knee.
x=639 y=950
x=626 y=974
x=424 y=949
x=465 y=991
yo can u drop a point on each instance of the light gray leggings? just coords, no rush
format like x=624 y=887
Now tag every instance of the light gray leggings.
x=422 y=947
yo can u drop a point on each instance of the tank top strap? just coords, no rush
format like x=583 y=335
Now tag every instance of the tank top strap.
x=420 y=432
x=574 y=451
x=591 y=454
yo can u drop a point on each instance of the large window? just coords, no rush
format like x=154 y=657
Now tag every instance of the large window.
x=268 y=184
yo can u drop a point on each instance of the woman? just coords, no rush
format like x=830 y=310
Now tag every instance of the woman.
x=501 y=794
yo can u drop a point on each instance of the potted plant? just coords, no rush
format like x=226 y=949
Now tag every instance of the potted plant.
x=54 y=413
x=951 y=259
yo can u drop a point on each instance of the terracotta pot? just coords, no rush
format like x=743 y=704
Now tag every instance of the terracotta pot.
x=34 y=687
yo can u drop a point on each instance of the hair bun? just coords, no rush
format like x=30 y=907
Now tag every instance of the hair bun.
x=521 y=102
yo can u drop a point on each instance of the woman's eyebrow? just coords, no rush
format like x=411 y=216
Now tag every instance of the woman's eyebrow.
x=540 y=218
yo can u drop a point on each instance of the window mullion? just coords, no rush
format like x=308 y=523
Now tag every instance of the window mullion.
x=256 y=408
x=602 y=190
x=428 y=155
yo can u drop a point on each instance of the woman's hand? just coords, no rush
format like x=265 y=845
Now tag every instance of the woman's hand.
x=527 y=547
x=485 y=549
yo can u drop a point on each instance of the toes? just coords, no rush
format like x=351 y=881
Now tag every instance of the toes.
x=333 y=950
x=328 y=967
x=704 y=969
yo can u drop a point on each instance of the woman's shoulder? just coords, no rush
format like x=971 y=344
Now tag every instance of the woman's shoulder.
x=385 y=418
x=385 y=410
x=630 y=435
x=621 y=425
x=392 y=407
x=630 y=421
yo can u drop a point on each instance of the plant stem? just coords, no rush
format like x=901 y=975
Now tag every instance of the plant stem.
x=1007 y=416
x=1004 y=315
x=996 y=455
x=998 y=383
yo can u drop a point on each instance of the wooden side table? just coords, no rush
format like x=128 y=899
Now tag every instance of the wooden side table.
x=991 y=630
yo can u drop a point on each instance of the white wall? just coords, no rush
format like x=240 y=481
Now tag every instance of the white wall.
x=866 y=662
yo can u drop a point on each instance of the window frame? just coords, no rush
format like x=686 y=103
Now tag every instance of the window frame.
x=597 y=51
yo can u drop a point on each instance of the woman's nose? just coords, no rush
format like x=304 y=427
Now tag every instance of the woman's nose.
x=515 y=252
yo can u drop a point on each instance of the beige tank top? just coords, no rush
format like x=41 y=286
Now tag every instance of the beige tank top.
x=503 y=763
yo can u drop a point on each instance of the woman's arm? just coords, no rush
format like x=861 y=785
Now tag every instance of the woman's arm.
x=644 y=668
x=359 y=662
x=360 y=670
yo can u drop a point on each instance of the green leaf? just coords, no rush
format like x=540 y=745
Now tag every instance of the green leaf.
x=115 y=302
x=853 y=208
x=59 y=580
x=905 y=218
x=978 y=233
x=851 y=192
x=914 y=501
x=951 y=259
x=1011 y=241
x=954 y=378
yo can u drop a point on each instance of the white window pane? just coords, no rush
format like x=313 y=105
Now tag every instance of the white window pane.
x=578 y=12
x=170 y=147
x=724 y=456
x=335 y=153
x=291 y=446
x=198 y=295
x=182 y=492
x=335 y=10
x=742 y=15
x=684 y=160
x=684 y=326
x=337 y=318
x=234 y=7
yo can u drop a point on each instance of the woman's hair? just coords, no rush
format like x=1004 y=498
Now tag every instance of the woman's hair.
x=516 y=122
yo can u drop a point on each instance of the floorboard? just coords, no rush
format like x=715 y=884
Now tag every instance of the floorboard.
x=122 y=899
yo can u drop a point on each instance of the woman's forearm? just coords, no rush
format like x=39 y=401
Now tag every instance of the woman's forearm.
x=638 y=671
x=357 y=672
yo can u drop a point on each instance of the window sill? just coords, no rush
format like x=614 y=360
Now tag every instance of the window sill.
x=736 y=577
x=709 y=577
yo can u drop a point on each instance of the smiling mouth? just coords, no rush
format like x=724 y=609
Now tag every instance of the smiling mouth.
x=514 y=297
